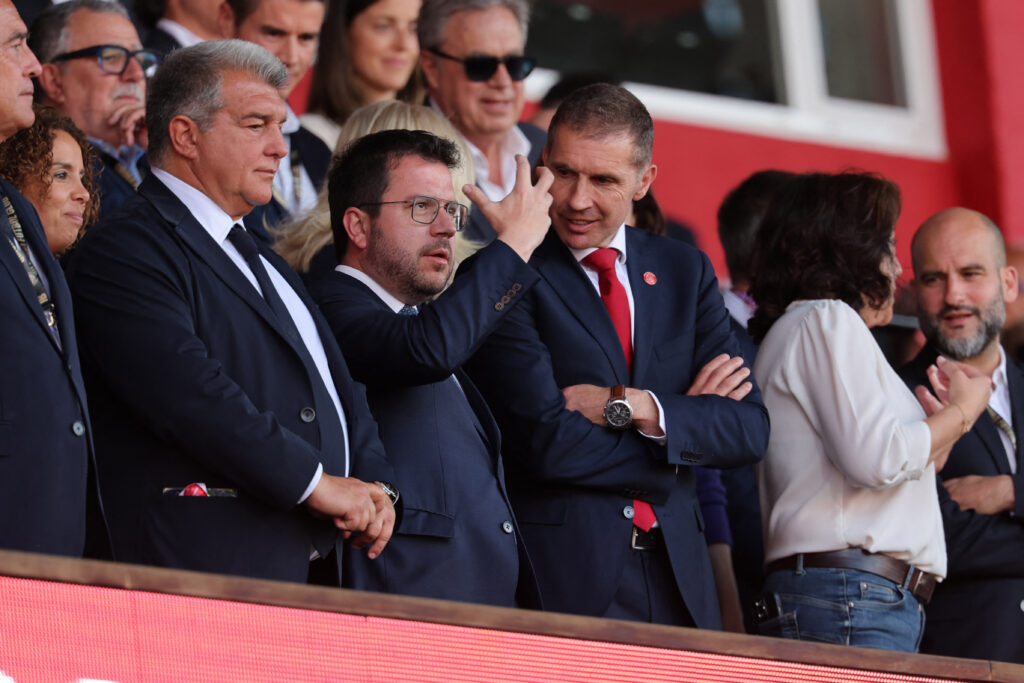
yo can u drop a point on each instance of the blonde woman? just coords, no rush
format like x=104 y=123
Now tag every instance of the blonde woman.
x=308 y=245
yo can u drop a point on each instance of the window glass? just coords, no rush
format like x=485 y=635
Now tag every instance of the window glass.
x=862 y=55
x=720 y=47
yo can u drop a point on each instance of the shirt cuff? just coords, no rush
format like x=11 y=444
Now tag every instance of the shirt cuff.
x=663 y=439
x=312 y=484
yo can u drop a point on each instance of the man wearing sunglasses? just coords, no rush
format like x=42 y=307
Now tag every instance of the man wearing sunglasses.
x=472 y=59
x=94 y=71
x=395 y=218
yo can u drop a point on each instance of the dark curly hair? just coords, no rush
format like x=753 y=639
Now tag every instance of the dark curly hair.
x=824 y=236
x=28 y=155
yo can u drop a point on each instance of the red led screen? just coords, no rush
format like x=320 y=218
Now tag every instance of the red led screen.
x=63 y=633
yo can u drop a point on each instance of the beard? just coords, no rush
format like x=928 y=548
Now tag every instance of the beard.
x=990 y=322
x=402 y=268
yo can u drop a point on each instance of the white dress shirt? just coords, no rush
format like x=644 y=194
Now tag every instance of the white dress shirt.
x=846 y=465
x=1000 y=402
x=218 y=224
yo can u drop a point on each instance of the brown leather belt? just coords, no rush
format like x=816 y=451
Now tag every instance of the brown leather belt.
x=920 y=583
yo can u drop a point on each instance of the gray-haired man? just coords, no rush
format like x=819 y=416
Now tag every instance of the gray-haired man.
x=230 y=424
x=472 y=59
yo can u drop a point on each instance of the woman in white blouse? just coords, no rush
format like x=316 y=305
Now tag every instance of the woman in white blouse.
x=853 y=535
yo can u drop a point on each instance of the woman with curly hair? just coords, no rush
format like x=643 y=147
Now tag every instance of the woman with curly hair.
x=368 y=53
x=50 y=163
x=853 y=535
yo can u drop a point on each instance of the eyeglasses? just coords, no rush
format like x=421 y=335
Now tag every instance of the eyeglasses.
x=483 y=68
x=424 y=209
x=113 y=59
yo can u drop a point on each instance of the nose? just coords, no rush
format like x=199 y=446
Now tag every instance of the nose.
x=403 y=40
x=133 y=71
x=289 y=52
x=276 y=146
x=30 y=65
x=500 y=79
x=955 y=291
x=79 y=193
x=579 y=196
x=443 y=225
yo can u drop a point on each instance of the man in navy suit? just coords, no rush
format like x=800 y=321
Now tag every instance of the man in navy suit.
x=395 y=218
x=44 y=425
x=229 y=430
x=473 y=63
x=962 y=282
x=612 y=378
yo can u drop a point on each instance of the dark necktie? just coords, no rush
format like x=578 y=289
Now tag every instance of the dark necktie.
x=246 y=246
x=21 y=250
x=613 y=294
x=1003 y=425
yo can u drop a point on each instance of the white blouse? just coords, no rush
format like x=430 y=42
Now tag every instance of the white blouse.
x=846 y=461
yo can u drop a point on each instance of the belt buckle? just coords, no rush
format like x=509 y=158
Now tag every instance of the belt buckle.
x=635 y=545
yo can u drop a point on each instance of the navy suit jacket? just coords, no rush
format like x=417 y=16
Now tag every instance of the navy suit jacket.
x=45 y=437
x=113 y=189
x=977 y=611
x=571 y=480
x=161 y=42
x=479 y=229
x=458 y=539
x=195 y=380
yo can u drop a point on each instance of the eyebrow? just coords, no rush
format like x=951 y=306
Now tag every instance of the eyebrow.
x=17 y=37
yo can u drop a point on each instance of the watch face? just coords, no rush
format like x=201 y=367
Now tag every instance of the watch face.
x=618 y=414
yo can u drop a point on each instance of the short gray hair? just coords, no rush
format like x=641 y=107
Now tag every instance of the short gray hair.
x=48 y=36
x=188 y=83
x=434 y=16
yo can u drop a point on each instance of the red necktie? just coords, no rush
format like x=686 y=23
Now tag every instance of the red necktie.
x=613 y=294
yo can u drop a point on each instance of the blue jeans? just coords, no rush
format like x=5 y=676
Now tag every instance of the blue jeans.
x=842 y=606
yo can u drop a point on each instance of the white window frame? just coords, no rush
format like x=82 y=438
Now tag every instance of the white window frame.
x=811 y=115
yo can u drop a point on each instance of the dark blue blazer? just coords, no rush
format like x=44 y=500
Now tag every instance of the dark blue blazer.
x=458 y=539
x=161 y=42
x=195 y=380
x=45 y=436
x=571 y=480
x=479 y=229
x=977 y=611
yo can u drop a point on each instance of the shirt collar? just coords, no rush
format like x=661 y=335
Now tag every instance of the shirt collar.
x=514 y=142
x=999 y=378
x=127 y=154
x=383 y=294
x=181 y=34
x=618 y=243
x=213 y=218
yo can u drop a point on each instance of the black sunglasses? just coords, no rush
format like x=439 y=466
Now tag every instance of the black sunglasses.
x=483 y=68
x=114 y=59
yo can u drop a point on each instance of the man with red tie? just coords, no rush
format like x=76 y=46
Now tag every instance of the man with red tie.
x=611 y=380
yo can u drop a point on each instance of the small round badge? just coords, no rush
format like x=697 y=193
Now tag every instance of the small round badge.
x=650 y=278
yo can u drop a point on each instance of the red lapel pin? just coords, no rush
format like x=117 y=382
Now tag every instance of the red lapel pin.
x=650 y=278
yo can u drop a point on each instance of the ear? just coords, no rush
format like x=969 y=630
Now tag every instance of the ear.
x=431 y=71
x=1010 y=283
x=226 y=20
x=357 y=226
x=184 y=136
x=544 y=153
x=52 y=83
x=645 y=182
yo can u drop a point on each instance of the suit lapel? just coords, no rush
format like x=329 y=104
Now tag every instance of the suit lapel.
x=645 y=295
x=16 y=269
x=200 y=242
x=555 y=263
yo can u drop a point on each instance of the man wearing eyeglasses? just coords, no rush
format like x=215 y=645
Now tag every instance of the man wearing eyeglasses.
x=94 y=71
x=394 y=217
x=472 y=59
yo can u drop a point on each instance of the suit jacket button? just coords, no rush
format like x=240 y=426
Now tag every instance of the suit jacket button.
x=498 y=306
x=507 y=527
x=78 y=429
x=1022 y=605
x=516 y=287
x=307 y=414
x=627 y=512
